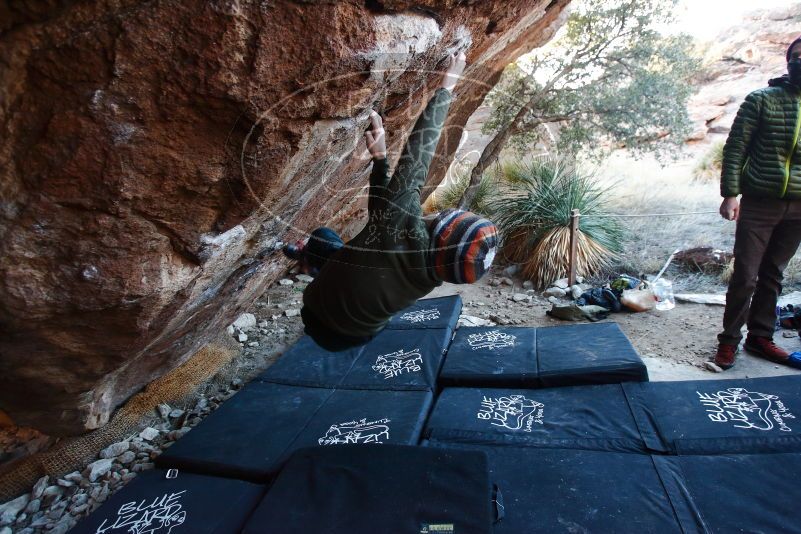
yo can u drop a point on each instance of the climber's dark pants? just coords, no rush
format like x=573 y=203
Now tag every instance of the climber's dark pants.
x=327 y=338
x=321 y=244
x=767 y=237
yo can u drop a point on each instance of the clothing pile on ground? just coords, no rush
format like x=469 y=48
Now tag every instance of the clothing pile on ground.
x=598 y=302
x=789 y=317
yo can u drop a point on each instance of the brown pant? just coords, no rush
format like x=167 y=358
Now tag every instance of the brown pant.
x=767 y=237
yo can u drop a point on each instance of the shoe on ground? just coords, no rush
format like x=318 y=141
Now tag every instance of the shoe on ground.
x=766 y=348
x=724 y=358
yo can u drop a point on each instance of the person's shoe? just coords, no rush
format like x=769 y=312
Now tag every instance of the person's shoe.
x=766 y=348
x=724 y=358
x=294 y=252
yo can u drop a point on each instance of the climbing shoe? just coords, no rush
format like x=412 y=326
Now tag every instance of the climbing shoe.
x=294 y=252
x=724 y=358
x=766 y=348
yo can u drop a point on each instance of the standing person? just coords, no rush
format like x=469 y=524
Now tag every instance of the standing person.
x=399 y=256
x=762 y=161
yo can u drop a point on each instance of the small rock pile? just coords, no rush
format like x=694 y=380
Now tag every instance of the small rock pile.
x=16 y=442
x=278 y=321
x=502 y=281
x=562 y=289
x=497 y=312
x=477 y=313
x=53 y=506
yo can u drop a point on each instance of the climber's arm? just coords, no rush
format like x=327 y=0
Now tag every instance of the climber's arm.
x=416 y=158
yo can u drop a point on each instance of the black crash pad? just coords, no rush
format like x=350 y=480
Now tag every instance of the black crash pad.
x=392 y=360
x=738 y=493
x=598 y=353
x=492 y=357
x=307 y=364
x=561 y=490
x=153 y=503
x=544 y=357
x=586 y=417
x=400 y=359
x=719 y=416
x=250 y=435
x=438 y=312
x=347 y=490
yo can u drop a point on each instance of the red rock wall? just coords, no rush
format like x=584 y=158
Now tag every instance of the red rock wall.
x=154 y=152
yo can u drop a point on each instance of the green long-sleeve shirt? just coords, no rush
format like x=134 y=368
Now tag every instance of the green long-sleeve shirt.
x=385 y=268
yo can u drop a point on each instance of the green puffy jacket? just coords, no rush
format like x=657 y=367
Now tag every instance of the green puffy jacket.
x=761 y=157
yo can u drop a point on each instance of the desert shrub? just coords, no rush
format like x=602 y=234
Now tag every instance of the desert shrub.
x=708 y=169
x=449 y=196
x=532 y=211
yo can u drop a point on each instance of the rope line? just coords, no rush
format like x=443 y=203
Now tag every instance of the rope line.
x=629 y=215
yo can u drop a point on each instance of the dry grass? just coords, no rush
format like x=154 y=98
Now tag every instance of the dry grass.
x=644 y=187
x=549 y=260
x=709 y=166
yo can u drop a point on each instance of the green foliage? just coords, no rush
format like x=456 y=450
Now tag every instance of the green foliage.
x=709 y=168
x=609 y=80
x=533 y=213
x=449 y=196
x=539 y=196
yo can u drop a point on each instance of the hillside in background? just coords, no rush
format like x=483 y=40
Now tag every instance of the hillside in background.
x=741 y=60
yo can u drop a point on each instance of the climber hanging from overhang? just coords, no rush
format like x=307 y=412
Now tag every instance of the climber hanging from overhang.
x=399 y=256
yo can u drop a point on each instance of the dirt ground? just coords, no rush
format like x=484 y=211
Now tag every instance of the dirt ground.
x=674 y=344
x=685 y=335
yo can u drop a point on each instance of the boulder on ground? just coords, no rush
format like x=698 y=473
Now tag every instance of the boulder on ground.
x=704 y=259
x=557 y=292
x=245 y=321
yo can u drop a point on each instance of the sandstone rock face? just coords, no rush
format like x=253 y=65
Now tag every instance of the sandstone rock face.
x=155 y=153
x=741 y=60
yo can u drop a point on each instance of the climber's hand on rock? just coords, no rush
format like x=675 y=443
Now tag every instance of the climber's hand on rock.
x=456 y=63
x=730 y=208
x=375 y=138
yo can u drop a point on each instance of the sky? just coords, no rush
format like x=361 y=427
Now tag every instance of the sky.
x=705 y=19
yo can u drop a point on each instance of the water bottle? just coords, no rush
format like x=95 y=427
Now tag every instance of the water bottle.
x=663 y=291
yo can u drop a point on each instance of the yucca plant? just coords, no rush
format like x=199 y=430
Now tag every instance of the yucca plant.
x=533 y=211
x=450 y=195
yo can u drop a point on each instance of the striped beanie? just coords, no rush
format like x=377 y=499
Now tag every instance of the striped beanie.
x=462 y=246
